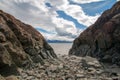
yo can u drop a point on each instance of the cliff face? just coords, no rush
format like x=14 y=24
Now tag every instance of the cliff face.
x=102 y=39
x=21 y=44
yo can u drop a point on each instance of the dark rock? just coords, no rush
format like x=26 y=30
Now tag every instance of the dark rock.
x=113 y=74
x=115 y=79
x=21 y=44
x=102 y=39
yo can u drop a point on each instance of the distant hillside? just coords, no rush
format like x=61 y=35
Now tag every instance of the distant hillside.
x=57 y=41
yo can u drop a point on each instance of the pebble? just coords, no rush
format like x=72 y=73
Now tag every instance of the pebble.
x=12 y=77
x=68 y=68
x=79 y=76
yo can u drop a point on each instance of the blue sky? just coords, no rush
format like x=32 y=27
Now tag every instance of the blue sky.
x=95 y=7
x=57 y=19
x=63 y=15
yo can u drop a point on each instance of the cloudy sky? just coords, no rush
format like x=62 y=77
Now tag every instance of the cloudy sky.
x=57 y=19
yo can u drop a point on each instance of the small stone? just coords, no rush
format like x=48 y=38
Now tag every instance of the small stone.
x=92 y=64
x=79 y=76
x=91 y=70
x=25 y=76
x=20 y=70
x=46 y=65
x=38 y=76
x=12 y=77
x=99 y=71
x=30 y=78
x=52 y=68
x=41 y=67
x=60 y=66
x=30 y=73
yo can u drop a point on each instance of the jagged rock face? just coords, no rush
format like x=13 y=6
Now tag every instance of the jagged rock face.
x=21 y=43
x=102 y=39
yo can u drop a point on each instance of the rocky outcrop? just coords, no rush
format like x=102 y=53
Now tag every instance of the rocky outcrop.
x=102 y=39
x=21 y=44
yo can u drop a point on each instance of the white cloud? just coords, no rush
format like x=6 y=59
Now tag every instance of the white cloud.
x=64 y=30
x=85 y=1
x=64 y=26
x=33 y=12
x=37 y=14
x=77 y=13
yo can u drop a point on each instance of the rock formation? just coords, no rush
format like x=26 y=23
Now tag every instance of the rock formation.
x=102 y=39
x=21 y=44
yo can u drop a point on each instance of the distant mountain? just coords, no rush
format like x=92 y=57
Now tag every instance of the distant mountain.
x=58 y=41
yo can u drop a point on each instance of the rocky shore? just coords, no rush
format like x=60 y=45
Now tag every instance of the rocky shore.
x=25 y=54
x=70 y=68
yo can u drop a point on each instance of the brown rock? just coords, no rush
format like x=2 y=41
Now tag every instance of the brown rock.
x=102 y=38
x=21 y=44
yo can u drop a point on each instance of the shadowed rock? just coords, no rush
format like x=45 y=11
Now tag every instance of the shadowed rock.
x=21 y=44
x=102 y=39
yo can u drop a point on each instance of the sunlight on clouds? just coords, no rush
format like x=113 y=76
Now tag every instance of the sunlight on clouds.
x=77 y=12
x=37 y=14
x=66 y=27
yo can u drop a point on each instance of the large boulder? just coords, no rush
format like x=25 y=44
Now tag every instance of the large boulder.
x=21 y=44
x=102 y=39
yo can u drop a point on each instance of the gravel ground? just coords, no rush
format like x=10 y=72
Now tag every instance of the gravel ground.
x=70 y=68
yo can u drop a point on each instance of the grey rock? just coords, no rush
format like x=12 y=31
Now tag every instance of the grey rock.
x=78 y=76
x=2 y=78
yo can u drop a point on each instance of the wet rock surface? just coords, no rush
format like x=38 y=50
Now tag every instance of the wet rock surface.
x=102 y=39
x=71 y=68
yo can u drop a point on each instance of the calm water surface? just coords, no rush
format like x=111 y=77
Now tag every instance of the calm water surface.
x=61 y=48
